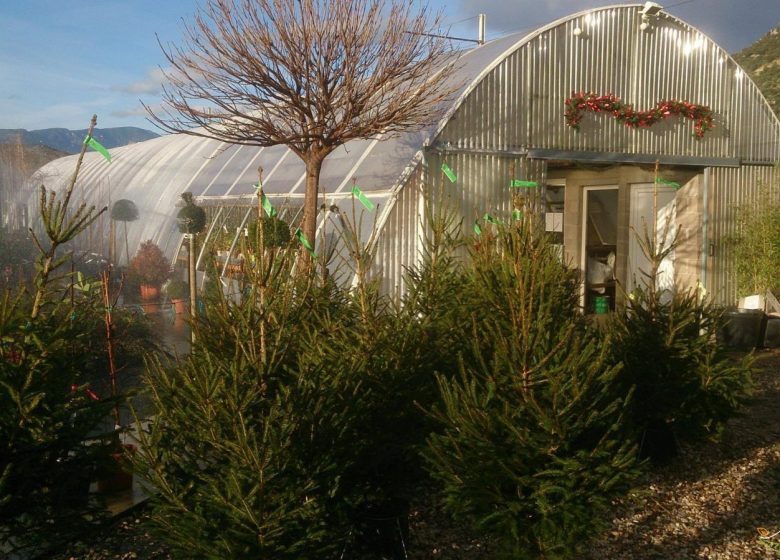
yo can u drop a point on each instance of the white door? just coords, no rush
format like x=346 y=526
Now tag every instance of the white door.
x=645 y=197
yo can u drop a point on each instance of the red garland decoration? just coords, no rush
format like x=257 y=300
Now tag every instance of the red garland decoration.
x=578 y=103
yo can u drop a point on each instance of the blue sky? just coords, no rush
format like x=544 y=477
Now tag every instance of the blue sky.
x=63 y=60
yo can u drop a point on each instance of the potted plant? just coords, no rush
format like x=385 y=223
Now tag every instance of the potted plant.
x=177 y=291
x=150 y=267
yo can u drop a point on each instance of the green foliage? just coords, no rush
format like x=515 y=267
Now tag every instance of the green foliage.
x=276 y=232
x=295 y=419
x=756 y=245
x=529 y=449
x=247 y=446
x=124 y=210
x=761 y=60
x=685 y=383
x=177 y=289
x=191 y=218
x=149 y=265
x=51 y=431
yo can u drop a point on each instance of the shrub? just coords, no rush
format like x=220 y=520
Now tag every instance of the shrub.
x=685 y=383
x=529 y=449
x=299 y=404
x=149 y=265
x=276 y=232
x=191 y=218
x=247 y=445
x=50 y=426
x=756 y=244
x=177 y=289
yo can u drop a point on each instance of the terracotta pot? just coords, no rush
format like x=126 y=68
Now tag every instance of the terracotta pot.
x=180 y=305
x=149 y=292
x=150 y=308
x=118 y=476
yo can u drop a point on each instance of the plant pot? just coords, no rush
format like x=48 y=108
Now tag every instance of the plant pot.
x=180 y=305
x=150 y=308
x=118 y=477
x=149 y=292
x=743 y=329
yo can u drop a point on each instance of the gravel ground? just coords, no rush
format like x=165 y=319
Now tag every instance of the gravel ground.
x=709 y=503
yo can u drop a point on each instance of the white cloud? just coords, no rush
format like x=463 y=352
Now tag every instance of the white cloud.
x=149 y=85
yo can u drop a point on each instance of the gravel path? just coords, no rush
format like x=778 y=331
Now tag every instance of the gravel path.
x=708 y=504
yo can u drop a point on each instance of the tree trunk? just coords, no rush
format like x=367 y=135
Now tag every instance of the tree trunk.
x=310 y=208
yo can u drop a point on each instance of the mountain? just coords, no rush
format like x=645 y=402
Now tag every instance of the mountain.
x=69 y=141
x=761 y=61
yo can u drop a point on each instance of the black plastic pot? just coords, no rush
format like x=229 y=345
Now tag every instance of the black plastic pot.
x=743 y=329
x=772 y=332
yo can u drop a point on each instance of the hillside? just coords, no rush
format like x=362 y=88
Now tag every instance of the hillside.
x=17 y=163
x=761 y=61
x=69 y=141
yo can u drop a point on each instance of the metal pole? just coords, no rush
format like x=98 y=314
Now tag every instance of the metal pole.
x=482 y=24
x=193 y=290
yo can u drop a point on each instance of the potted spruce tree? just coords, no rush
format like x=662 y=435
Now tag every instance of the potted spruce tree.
x=150 y=269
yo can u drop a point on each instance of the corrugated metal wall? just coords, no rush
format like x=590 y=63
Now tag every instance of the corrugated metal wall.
x=518 y=104
x=728 y=188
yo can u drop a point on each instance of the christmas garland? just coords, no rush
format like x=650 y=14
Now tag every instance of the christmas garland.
x=578 y=103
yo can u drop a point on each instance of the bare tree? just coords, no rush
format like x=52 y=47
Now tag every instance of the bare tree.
x=308 y=74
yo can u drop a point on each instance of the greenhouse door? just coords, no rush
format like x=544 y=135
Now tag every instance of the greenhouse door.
x=645 y=197
x=599 y=247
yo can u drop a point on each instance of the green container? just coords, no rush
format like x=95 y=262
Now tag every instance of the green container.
x=601 y=305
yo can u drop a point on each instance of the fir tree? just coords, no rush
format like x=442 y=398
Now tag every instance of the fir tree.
x=529 y=449
x=686 y=385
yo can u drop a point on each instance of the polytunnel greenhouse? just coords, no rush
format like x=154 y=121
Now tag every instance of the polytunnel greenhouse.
x=608 y=118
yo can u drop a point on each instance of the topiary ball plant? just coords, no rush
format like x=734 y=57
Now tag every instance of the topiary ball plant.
x=191 y=218
x=149 y=265
x=124 y=210
x=276 y=232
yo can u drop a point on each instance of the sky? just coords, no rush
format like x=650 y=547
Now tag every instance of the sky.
x=63 y=60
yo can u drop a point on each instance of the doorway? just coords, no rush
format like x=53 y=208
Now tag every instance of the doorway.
x=599 y=247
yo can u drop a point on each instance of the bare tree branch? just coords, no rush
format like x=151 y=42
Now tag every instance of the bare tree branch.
x=308 y=74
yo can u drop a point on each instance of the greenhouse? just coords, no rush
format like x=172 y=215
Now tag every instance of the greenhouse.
x=603 y=121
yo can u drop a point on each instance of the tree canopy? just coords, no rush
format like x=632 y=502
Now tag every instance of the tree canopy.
x=308 y=74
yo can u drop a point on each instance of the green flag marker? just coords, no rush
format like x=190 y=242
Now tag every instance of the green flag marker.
x=492 y=220
x=477 y=229
x=305 y=242
x=449 y=173
x=362 y=198
x=98 y=147
x=667 y=183
x=517 y=214
x=268 y=207
x=518 y=183
x=265 y=203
